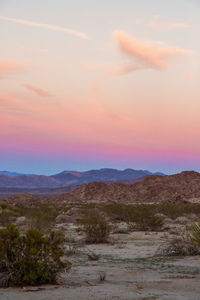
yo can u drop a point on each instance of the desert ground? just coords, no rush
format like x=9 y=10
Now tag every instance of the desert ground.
x=128 y=267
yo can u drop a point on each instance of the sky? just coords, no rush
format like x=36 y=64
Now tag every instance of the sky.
x=92 y=84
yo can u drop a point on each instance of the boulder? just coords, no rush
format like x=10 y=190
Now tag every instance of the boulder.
x=20 y=221
x=181 y=220
x=64 y=218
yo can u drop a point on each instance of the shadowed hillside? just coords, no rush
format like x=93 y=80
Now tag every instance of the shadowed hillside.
x=173 y=188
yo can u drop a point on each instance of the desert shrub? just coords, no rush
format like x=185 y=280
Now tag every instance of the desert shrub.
x=3 y=205
x=121 y=229
x=179 y=247
x=170 y=210
x=41 y=217
x=139 y=216
x=123 y=212
x=95 y=226
x=174 y=211
x=102 y=276
x=32 y=258
x=7 y=213
x=93 y=256
x=188 y=244
x=117 y=212
x=144 y=219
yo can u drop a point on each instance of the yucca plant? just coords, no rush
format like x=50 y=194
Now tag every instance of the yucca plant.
x=195 y=233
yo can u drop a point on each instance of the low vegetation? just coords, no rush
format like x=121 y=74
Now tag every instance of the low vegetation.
x=139 y=217
x=30 y=259
x=7 y=213
x=95 y=226
x=186 y=245
x=179 y=247
x=42 y=216
x=136 y=212
x=34 y=254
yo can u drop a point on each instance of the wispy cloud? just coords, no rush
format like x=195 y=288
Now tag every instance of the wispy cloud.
x=13 y=106
x=40 y=92
x=157 y=24
x=146 y=55
x=76 y=33
x=9 y=67
x=141 y=55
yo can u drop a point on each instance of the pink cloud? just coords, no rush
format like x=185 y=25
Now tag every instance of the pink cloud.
x=13 y=106
x=141 y=54
x=8 y=67
x=40 y=92
x=156 y=24
x=146 y=55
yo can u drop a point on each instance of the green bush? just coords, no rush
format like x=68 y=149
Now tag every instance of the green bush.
x=33 y=258
x=95 y=226
x=117 y=212
x=41 y=216
x=145 y=219
x=3 y=205
x=7 y=212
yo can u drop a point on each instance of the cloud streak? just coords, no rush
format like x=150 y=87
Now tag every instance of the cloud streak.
x=157 y=24
x=47 y=26
x=40 y=92
x=9 y=67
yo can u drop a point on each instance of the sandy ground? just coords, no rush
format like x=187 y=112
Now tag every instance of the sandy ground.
x=130 y=269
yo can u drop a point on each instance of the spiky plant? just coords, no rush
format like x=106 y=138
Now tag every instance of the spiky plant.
x=195 y=233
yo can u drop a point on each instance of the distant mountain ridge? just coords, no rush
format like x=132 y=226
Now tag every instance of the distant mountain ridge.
x=178 y=188
x=12 y=174
x=71 y=178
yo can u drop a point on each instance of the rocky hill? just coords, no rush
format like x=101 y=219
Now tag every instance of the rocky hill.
x=173 y=188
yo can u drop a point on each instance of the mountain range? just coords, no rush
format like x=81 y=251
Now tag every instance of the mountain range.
x=71 y=178
x=178 y=188
x=12 y=174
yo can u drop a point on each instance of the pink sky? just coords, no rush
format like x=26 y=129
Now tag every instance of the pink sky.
x=75 y=92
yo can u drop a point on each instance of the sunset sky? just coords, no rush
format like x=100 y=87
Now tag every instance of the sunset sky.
x=89 y=84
